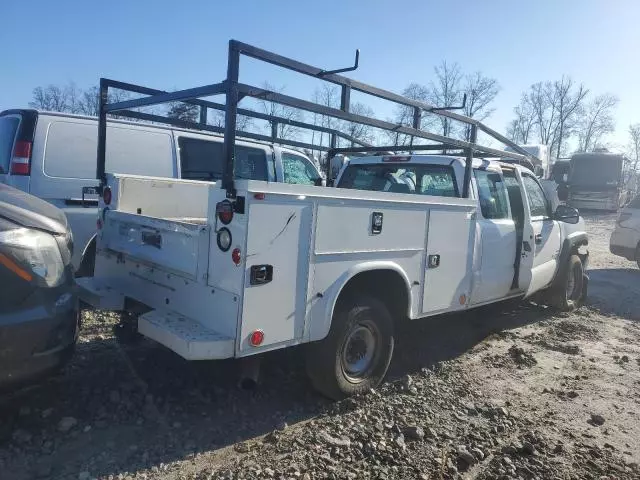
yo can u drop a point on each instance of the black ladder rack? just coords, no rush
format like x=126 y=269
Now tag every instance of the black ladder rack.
x=235 y=91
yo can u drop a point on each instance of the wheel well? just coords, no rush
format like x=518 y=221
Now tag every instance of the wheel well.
x=387 y=286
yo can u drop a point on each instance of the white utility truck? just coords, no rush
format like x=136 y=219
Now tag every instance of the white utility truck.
x=234 y=268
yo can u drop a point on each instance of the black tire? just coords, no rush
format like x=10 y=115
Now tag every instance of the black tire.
x=335 y=365
x=568 y=295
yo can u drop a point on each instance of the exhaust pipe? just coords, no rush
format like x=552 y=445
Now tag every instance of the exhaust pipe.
x=249 y=373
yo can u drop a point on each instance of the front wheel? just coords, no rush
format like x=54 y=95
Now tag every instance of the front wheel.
x=355 y=355
x=569 y=293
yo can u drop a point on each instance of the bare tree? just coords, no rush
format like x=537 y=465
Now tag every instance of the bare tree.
x=551 y=110
x=360 y=131
x=403 y=116
x=631 y=181
x=284 y=130
x=53 y=98
x=328 y=96
x=596 y=121
x=521 y=128
x=566 y=101
x=481 y=92
x=446 y=91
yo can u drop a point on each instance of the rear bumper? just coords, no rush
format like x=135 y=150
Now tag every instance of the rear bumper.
x=37 y=341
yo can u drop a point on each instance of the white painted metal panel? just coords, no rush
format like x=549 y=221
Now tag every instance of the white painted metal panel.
x=163 y=198
x=279 y=234
x=185 y=336
x=451 y=236
x=174 y=246
x=346 y=228
x=223 y=272
x=332 y=271
x=496 y=258
x=213 y=308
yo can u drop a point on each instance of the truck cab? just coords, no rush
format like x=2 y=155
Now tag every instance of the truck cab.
x=519 y=235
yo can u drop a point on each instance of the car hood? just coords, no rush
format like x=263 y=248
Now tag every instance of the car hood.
x=31 y=212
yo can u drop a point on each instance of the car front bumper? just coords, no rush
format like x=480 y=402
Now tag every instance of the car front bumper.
x=37 y=340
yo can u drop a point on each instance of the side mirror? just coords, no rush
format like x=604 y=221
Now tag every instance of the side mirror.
x=567 y=214
x=319 y=182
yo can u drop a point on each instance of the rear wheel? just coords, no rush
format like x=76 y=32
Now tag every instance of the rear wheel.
x=355 y=356
x=569 y=293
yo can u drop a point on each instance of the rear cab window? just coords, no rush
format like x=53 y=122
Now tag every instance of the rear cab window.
x=202 y=160
x=419 y=179
x=8 y=129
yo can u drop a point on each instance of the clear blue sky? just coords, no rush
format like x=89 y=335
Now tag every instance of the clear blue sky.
x=168 y=44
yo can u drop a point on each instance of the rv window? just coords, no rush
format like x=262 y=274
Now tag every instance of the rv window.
x=8 y=127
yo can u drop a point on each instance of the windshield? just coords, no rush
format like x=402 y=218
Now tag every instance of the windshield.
x=8 y=127
x=596 y=171
x=438 y=180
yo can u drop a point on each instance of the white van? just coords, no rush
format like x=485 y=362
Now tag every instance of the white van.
x=53 y=156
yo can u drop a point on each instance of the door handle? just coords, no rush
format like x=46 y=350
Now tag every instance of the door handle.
x=538 y=239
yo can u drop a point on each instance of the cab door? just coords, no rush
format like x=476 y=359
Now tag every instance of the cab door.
x=543 y=237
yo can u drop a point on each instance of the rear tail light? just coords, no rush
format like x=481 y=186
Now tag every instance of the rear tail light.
x=21 y=160
x=235 y=256
x=224 y=210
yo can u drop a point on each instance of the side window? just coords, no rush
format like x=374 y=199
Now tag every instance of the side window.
x=537 y=200
x=298 y=170
x=202 y=160
x=251 y=163
x=492 y=194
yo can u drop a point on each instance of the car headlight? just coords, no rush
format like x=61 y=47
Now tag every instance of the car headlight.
x=32 y=255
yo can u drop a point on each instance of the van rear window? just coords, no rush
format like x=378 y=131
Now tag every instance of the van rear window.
x=202 y=160
x=8 y=129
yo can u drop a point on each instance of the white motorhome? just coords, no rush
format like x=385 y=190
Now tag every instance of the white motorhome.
x=542 y=160
x=244 y=267
x=53 y=156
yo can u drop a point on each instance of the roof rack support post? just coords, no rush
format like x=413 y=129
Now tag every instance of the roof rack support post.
x=468 y=167
x=274 y=130
x=203 y=115
x=102 y=132
x=228 y=147
x=416 y=123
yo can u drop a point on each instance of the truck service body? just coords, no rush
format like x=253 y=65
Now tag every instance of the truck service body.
x=234 y=268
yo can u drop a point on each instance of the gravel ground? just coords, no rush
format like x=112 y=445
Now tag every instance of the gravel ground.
x=499 y=393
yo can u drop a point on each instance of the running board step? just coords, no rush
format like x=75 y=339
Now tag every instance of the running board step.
x=185 y=336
